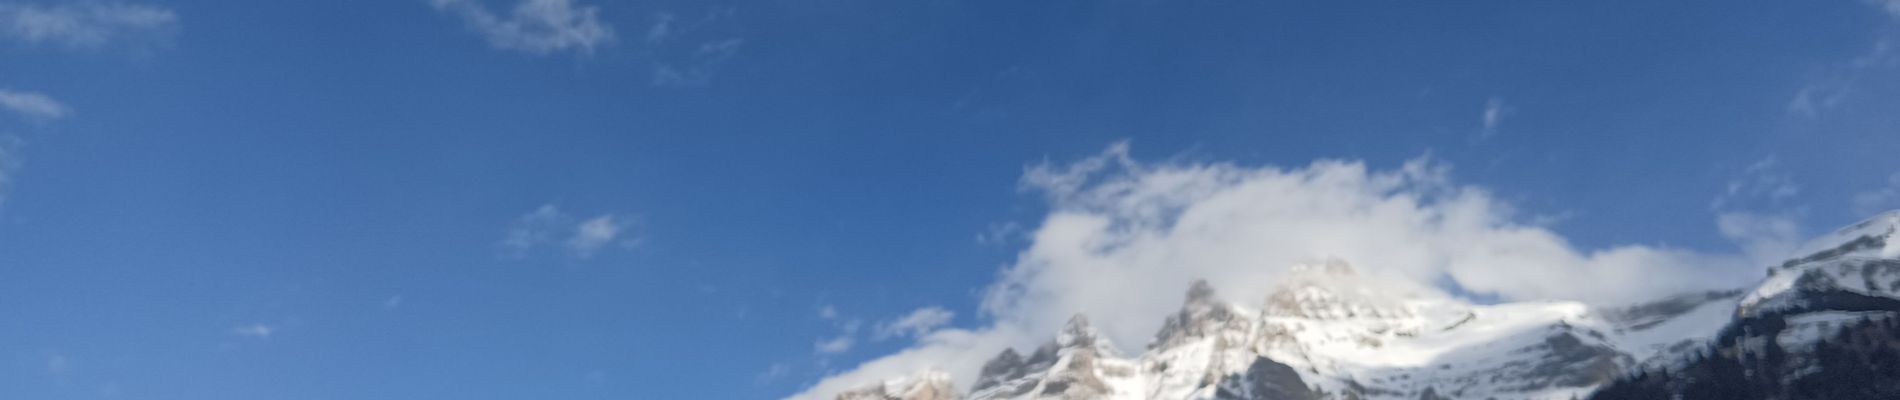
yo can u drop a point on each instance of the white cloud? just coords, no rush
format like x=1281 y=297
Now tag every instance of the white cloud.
x=916 y=324
x=32 y=105
x=1765 y=239
x=535 y=26
x=836 y=345
x=593 y=234
x=582 y=239
x=1881 y=199
x=828 y=312
x=256 y=330
x=85 y=23
x=392 y=302
x=1492 y=117
x=1119 y=227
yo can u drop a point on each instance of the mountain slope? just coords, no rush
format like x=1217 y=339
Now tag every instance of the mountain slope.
x=1822 y=326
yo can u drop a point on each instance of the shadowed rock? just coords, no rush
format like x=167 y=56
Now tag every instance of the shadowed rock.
x=1266 y=379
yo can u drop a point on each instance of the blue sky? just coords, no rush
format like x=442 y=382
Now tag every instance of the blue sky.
x=580 y=199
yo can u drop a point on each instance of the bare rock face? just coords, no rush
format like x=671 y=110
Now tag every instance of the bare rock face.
x=1266 y=379
x=1069 y=367
x=1201 y=316
x=1074 y=375
x=1007 y=366
x=930 y=385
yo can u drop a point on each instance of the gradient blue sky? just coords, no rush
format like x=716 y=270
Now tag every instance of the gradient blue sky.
x=588 y=199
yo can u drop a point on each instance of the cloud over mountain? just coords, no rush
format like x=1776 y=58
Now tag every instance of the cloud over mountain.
x=1124 y=235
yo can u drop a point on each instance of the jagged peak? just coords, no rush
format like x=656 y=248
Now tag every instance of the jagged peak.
x=1077 y=323
x=1200 y=314
x=1078 y=334
x=1006 y=366
x=1200 y=292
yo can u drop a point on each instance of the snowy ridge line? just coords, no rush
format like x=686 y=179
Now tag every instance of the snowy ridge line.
x=1328 y=332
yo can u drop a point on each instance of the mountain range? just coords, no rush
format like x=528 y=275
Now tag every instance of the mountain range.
x=1817 y=326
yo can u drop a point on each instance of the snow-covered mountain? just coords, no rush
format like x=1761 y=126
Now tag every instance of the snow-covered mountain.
x=1328 y=332
x=1821 y=326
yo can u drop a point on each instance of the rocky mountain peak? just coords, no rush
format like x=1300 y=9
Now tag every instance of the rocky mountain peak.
x=1200 y=315
x=1200 y=293
x=1078 y=334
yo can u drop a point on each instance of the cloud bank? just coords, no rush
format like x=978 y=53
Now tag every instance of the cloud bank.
x=1123 y=238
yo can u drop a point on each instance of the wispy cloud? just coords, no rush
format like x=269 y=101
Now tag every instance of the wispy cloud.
x=696 y=68
x=835 y=345
x=85 y=23
x=690 y=52
x=1492 y=117
x=254 y=330
x=33 y=105
x=581 y=238
x=535 y=26
x=1000 y=233
x=847 y=329
x=1763 y=181
x=1753 y=211
x=772 y=373
x=916 y=324
x=30 y=106
x=1833 y=85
